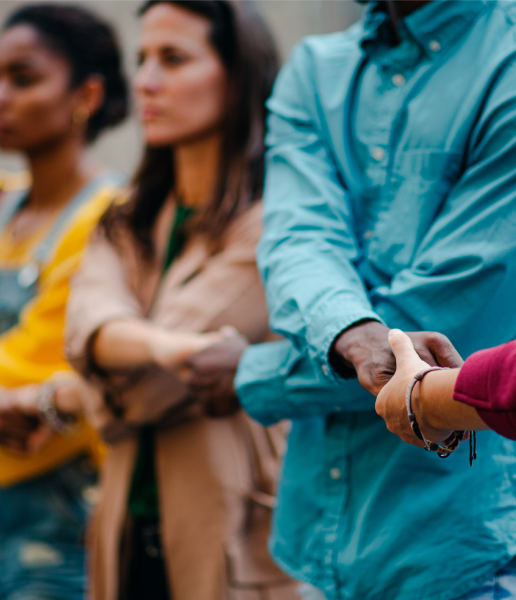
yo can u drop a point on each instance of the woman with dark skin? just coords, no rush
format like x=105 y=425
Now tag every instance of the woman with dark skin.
x=60 y=87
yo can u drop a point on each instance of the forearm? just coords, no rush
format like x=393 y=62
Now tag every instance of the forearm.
x=135 y=343
x=435 y=406
x=124 y=344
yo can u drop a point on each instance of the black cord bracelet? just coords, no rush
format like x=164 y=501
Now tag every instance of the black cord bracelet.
x=453 y=441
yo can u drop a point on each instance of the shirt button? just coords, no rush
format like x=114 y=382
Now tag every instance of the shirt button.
x=378 y=153
x=434 y=46
x=398 y=80
x=335 y=473
x=324 y=370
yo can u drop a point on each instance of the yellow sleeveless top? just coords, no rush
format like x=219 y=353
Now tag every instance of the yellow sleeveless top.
x=32 y=351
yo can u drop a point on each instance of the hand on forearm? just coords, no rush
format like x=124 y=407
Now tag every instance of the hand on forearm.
x=210 y=375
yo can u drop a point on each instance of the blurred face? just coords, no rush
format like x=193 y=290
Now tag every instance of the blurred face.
x=36 y=103
x=181 y=83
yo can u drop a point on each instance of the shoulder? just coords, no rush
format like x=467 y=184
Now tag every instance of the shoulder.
x=316 y=51
x=318 y=68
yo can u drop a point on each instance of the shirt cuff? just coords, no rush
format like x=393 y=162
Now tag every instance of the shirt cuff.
x=324 y=327
x=260 y=379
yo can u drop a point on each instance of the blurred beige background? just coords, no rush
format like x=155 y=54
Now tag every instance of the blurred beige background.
x=290 y=20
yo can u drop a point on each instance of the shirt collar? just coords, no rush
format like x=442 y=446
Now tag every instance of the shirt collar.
x=434 y=26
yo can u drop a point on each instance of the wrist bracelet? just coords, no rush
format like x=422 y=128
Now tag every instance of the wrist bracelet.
x=46 y=403
x=453 y=441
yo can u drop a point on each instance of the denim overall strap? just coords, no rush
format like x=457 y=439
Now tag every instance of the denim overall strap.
x=44 y=250
x=9 y=206
x=19 y=286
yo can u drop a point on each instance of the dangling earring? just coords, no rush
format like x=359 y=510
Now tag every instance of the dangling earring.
x=80 y=117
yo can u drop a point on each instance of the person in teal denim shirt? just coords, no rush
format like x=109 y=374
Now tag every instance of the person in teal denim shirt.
x=390 y=200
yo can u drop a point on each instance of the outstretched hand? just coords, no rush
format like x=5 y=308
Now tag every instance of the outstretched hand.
x=391 y=403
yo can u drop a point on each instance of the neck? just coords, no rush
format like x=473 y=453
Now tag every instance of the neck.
x=398 y=9
x=196 y=164
x=57 y=174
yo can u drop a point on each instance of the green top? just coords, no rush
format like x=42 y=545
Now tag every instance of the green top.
x=143 y=496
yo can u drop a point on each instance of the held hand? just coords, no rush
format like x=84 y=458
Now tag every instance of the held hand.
x=21 y=429
x=391 y=403
x=172 y=350
x=364 y=347
x=210 y=374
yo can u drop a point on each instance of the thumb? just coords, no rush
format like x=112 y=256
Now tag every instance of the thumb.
x=402 y=347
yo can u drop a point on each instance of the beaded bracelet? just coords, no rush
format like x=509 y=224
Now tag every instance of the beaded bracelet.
x=46 y=403
x=453 y=441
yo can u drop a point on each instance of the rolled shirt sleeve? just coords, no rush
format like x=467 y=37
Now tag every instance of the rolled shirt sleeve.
x=307 y=252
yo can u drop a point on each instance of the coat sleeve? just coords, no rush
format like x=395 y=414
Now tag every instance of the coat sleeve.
x=487 y=381
x=226 y=291
x=99 y=294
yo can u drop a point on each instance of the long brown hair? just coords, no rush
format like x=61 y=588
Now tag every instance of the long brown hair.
x=246 y=49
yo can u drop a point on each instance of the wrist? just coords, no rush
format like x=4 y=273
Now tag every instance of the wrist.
x=57 y=421
x=349 y=344
x=67 y=399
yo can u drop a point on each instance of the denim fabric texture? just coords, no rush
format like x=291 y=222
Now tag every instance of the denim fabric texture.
x=390 y=195
x=42 y=530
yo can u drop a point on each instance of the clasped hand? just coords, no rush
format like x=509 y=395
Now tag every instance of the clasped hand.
x=207 y=364
x=21 y=428
x=385 y=365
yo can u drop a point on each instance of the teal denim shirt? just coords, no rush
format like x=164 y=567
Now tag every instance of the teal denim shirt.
x=391 y=195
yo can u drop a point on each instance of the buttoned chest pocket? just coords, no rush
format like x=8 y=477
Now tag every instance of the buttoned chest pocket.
x=417 y=189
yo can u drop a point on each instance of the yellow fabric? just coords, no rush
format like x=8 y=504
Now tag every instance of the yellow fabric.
x=32 y=351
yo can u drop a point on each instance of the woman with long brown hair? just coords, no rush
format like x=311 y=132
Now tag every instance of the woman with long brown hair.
x=188 y=484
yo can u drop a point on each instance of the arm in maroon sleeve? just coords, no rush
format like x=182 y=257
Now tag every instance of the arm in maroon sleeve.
x=487 y=381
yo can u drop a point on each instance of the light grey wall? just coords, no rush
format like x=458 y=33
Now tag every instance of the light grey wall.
x=290 y=20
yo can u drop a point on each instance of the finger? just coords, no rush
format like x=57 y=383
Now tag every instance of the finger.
x=444 y=351
x=402 y=347
x=200 y=376
x=13 y=443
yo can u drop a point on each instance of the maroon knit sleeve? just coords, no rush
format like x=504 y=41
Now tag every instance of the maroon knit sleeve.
x=487 y=381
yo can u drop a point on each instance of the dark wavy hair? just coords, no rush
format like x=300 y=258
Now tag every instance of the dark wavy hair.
x=89 y=45
x=247 y=50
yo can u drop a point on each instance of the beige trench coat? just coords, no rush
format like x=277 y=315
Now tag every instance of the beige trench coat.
x=216 y=477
